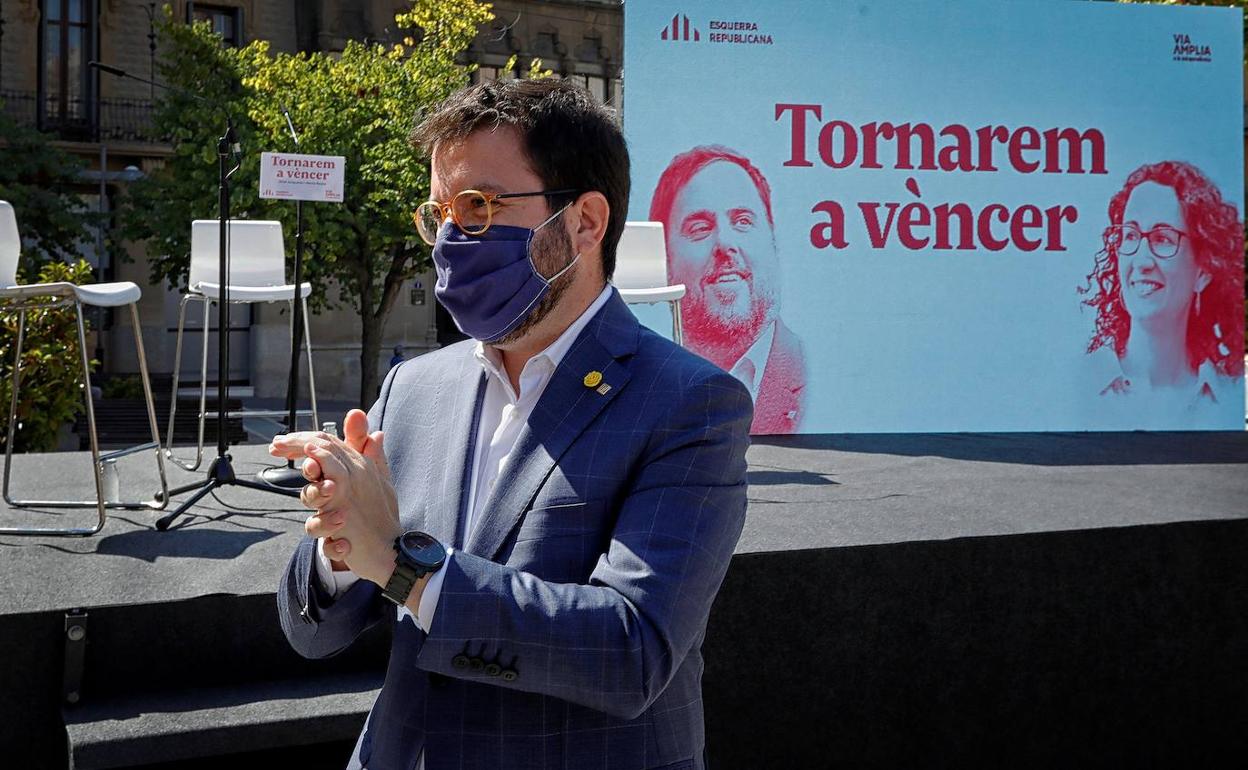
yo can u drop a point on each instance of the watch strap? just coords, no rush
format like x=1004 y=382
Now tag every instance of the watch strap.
x=401 y=581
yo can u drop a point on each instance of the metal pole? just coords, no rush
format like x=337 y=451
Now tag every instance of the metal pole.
x=292 y=392
x=151 y=46
x=1 y=44
x=99 y=256
x=289 y=478
x=223 y=306
x=296 y=337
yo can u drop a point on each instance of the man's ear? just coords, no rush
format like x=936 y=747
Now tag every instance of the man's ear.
x=589 y=225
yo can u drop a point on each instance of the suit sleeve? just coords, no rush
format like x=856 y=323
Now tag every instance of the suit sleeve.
x=614 y=643
x=316 y=624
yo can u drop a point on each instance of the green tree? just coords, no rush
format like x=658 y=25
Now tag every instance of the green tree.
x=359 y=104
x=51 y=392
x=38 y=178
x=158 y=209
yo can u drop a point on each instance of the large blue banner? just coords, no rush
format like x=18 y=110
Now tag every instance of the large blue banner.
x=905 y=215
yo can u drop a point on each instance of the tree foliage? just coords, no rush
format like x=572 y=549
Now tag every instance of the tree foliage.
x=359 y=104
x=38 y=179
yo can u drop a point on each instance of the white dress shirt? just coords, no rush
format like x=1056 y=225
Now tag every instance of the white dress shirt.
x=503 y=413
x=749 y=367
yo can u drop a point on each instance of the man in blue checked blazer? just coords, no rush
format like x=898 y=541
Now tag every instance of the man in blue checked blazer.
x=544 y=513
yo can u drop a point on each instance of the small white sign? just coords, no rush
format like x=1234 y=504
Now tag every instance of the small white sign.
x=302 y=177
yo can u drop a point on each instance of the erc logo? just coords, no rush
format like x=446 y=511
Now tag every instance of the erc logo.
x=679 y=30
x=729 y=32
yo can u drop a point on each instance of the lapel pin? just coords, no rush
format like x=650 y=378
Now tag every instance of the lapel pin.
x=603 y=388
x=592 y=379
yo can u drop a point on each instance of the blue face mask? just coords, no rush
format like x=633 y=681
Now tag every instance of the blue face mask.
x=488 y=282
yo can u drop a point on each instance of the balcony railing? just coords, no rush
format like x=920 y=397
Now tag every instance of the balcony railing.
x=119 y=120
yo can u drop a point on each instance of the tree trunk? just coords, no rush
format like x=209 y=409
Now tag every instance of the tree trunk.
x=370 y=351
x=370 y=339
x=373 y=317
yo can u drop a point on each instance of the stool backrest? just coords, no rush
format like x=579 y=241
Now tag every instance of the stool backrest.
x=10 y=245
x=257 y=252
x=641 y=257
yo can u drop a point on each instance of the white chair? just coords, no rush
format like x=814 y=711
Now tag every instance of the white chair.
x=641 y=271
x=257 y=273
x=29 y=297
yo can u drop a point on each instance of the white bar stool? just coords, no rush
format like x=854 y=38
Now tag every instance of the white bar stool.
x=257 y=273
x=28 y=297
x=641 y=271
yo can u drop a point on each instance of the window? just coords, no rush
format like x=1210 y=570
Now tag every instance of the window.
x=604 y=90
x=546 y=44
x=484 y=73
x=66 y=45
x=226 y=21
x=590 y=48
x=598 y=87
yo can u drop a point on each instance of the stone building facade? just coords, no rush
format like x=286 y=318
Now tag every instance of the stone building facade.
x=44 y=81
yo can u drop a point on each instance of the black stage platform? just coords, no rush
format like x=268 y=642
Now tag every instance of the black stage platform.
x=969 y=600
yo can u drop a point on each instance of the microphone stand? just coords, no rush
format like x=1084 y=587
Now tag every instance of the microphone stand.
x=221 y=471
x=290 y=477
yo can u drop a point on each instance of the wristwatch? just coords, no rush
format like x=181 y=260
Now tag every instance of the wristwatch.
x=416 y=555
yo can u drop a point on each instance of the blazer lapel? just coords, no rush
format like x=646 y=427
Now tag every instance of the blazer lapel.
x=458 y=402
x=565 y=410
x=779 y=405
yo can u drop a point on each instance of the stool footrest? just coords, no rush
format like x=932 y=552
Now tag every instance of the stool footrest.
x=113 y=455
x=261 y=413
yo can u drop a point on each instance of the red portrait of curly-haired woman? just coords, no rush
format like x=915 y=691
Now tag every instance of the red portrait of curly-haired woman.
x=1168 y=285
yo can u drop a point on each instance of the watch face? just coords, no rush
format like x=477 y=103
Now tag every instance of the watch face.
x=422 y=548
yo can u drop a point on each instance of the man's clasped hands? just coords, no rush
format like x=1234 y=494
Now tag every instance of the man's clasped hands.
x=349 y=490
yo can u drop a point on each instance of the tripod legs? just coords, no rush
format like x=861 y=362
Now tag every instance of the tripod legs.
x=205 y=487
x=220 y=474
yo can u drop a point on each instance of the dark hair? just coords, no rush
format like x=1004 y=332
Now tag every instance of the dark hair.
x=1216 y=333
x=571 y=141
x=686 y=166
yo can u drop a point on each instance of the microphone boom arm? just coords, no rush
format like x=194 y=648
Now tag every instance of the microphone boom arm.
x=119 y=72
